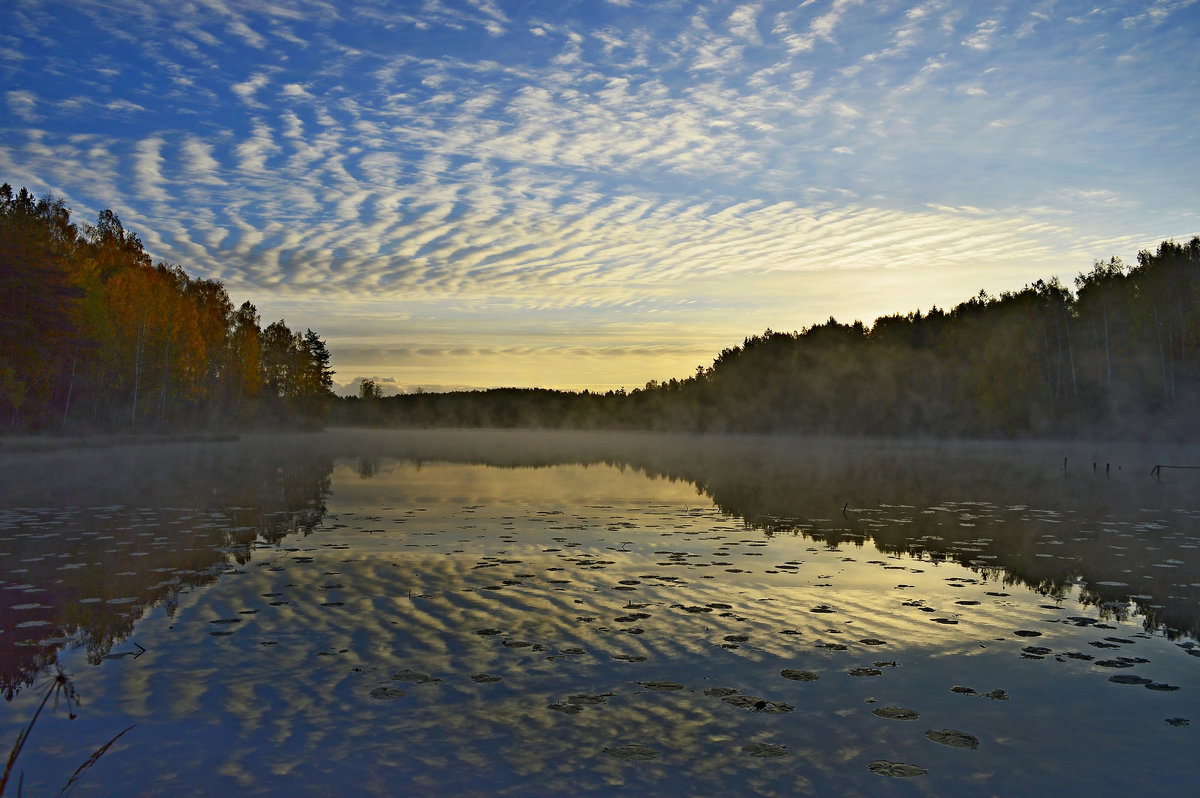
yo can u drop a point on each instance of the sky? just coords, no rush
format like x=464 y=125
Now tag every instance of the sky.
x=590 y=194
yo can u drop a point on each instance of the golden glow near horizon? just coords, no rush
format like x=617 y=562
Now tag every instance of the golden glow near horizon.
x=595 y=195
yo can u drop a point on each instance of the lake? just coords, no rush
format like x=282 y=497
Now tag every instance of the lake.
x=535 y=613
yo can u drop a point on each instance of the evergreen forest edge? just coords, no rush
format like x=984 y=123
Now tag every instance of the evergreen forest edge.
x=94 y=336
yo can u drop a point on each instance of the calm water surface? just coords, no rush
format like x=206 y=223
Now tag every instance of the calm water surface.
x=534 y=614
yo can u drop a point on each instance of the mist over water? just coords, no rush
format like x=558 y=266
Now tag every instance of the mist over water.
x=476 y=612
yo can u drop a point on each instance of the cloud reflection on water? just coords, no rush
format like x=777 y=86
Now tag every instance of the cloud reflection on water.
x=406 y=566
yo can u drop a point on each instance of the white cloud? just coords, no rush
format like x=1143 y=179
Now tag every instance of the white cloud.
x=147 y=169
x=743 y=23
x=981 y=38
x=598 y=162
x=23 y=104
x=253 y=151
x=247 y=89
x=198 y=162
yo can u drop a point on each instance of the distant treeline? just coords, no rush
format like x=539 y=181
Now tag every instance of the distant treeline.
x=1119 y=355
x=95 y=336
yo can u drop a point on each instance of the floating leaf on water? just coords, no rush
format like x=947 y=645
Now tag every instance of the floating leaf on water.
x=660 y=685
x=1178 y=721
x=1027 y=633
x=517 y=643
x=487 y=632
x=227 y=620
x=865 y=672
x=899 y=770
x=873 y=641
x=756 y=704
x=765 y=749
x=896 y=713
x=996 y=695
x=585 y=698
x=485 y=678
x=629 y=657
x=799 y=676
x=566 y=707
x=1165 y=688
x=1128 y=678
x=634 y=752
x=416 y=677
x=963 y=690
x=953 y=738
x=721 y=691
x=386 y=693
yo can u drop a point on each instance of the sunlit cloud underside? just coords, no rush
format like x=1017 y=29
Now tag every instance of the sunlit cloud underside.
x=475 y=194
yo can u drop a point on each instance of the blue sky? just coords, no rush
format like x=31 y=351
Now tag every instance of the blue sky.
x=471 y=193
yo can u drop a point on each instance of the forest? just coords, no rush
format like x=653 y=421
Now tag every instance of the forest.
x=1116 y=356
x=95 y=337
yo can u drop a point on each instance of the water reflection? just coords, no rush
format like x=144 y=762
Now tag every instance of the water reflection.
x=534 y=629
x=94 y=538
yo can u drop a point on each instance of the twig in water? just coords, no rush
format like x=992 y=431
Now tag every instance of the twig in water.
x=91 y=760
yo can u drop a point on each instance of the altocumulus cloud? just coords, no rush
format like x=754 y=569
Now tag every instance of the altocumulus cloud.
x=694 y=170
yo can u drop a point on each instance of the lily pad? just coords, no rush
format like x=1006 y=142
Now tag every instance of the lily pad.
x=865 y=672
x=408 y=675
x=721 y=692
x=953 y=738
x=585 y=698
x=756 y=704
x=660 y=685
x=799 y=676
x=896 y=713
x=634 y=752
x=765 y=749
x=1129 y=678
x=897 y=770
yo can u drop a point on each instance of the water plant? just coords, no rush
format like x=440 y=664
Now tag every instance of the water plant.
x=61 y=689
